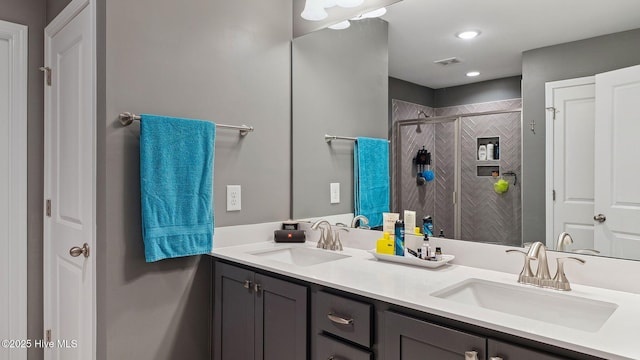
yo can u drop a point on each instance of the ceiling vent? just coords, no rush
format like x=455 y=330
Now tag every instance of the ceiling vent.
x=448 y=61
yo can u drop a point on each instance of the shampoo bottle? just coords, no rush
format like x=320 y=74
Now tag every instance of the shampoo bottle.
x=425 y=250
x=482 y=153
x=490 y=151
x=427 y=225
x=399 y=238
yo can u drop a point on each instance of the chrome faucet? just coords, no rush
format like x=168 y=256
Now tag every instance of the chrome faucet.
x=323 y=242
x=538 y=251
x=542 y=278
x=564 y=240
x=336 y=244
x=363 y=221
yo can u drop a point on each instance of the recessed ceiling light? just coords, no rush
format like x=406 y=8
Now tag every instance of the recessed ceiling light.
x=468 y=34
x=341 y=25
x=473 y=73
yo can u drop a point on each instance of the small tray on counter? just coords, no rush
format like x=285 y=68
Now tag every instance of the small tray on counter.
x=411 y=260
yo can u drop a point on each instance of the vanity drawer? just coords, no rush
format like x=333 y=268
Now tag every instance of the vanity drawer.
x=330 y=348
x=343 y=317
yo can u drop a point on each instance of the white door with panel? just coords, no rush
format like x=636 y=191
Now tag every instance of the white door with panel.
x=617 y=176
x=570 y=160
x=69 y=225
x=13 y=191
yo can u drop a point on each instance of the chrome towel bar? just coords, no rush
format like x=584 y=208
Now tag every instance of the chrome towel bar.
x=126 y=118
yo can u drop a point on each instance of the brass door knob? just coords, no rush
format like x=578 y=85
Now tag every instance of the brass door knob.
x=77 y=251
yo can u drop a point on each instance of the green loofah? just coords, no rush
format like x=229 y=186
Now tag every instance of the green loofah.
x=501 y=186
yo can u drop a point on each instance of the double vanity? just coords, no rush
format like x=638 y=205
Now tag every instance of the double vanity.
x=303 y=302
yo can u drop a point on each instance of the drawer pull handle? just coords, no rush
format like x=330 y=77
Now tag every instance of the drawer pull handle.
x=340 y=320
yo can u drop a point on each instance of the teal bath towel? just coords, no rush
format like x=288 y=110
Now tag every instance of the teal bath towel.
x=176 y=186
x=371 y=178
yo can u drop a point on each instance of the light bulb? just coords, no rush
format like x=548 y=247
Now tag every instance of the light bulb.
x=314 y=11
x=375 y=13
x=349 y=3
x=341 y=25
x=473 y=73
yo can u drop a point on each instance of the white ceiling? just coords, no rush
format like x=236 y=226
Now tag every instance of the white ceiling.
x=422 y=31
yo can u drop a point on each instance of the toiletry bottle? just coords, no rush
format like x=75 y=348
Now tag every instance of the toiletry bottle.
x=416 y=231
x=427 y=225
x=441 y=233
x=425 y=250
x=496 y=151
x=490 y=151
x=384 y=245
x=482 y=152
x=399 y=238
x=438 y=254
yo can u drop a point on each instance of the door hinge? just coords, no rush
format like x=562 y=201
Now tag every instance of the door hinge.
x=554 y=195
x=48 y=335
x=48 y=208
x=47 y=74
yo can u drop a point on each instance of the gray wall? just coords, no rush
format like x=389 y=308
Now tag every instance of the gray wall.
x=54 y=7
x=32 y=14
x=340 y=87
x=409 y=92
x=226 y=61
x=480 y=92
x=559 y=62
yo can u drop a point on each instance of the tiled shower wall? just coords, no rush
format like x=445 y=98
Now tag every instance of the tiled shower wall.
x=485 y=215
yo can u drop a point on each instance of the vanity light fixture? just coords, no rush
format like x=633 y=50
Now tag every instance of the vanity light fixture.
x=473 y=73
x=375 y=13
x=468 y=34
x=341 y=25
x=314 y=10
x=329 y=3
x=349 y=3
x=371 y=14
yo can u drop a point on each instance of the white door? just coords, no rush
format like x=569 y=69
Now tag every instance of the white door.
x=69 y=293
x=618 y=162
x=570 y=160
x=13 y=190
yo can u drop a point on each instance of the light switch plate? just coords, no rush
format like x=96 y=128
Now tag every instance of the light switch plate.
x=234 y=198
x=335 y=193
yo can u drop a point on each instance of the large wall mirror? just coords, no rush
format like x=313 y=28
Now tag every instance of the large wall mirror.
x=378 y=78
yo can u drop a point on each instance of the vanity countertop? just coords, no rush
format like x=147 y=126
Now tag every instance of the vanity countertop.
x=411 y=287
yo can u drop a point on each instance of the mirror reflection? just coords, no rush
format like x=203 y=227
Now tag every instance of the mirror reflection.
x=378 y=79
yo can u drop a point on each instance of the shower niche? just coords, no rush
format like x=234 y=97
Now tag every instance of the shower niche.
x=488 y=165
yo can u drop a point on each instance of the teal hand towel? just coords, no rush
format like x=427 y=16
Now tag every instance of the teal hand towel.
x=176 y=186
x=371 y=178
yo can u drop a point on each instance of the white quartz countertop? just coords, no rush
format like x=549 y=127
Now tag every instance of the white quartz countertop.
x=410 y=286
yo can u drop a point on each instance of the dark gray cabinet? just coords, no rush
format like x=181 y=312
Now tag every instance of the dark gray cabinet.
x=257 y=316
x=506 y=351
x=407 y=338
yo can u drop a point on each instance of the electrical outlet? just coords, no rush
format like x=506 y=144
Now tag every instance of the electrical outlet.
x=335 y=193
x=234 y=198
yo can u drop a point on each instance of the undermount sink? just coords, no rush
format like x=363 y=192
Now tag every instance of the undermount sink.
x=537 y=304
x=300 y=256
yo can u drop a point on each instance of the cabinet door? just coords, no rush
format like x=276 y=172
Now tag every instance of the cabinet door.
x=406 y=338
x=234 y=313
x=507 y=351
x=281 y=319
